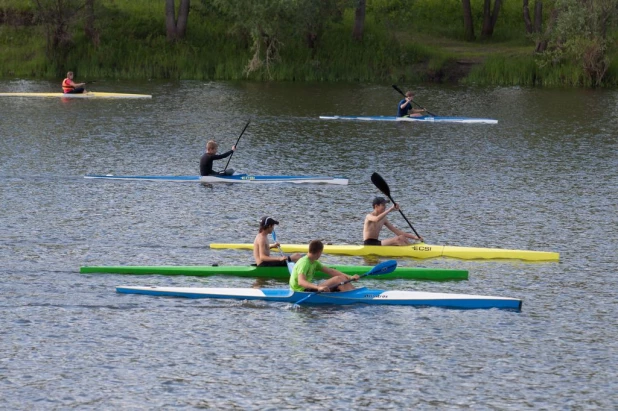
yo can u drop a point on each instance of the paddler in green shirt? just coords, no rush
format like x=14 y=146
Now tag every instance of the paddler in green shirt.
x=305 y=268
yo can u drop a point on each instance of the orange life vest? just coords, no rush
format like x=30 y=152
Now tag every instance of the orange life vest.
x=67 y=86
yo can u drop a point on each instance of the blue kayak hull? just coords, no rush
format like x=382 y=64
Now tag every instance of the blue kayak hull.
x=357 y=296
x=235 y=178
x=427 y=119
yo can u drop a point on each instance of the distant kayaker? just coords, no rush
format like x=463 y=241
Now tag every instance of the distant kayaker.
x=405 y=106
x=261 y=247
x=374 y=222
x=71 y=87
x=305 y=268
x=211 y=155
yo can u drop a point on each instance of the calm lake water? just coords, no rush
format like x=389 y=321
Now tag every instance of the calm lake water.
x=544 y=178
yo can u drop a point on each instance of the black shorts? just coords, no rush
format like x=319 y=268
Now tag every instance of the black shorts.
x=78 y=90
x=372 y=241
x=273 y=264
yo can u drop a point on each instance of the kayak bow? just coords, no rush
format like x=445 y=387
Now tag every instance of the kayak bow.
x=279 y=273
x=420 y=250
x=357 y=296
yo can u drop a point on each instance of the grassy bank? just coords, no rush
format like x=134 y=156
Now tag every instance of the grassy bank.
x=402 y=43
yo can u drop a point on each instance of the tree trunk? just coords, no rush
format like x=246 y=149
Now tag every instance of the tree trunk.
x=176 y=28
x=538 y=16
x=90 y=30
x=468 y=23
x=527 y=21
x=490 y=18
x=542 y=43
x=359 y=20
x=183 y=18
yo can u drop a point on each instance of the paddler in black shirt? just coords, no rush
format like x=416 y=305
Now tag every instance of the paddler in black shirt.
x=210 y=155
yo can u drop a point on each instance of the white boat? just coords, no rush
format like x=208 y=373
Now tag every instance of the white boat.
x=235 y=178
x=426 y=119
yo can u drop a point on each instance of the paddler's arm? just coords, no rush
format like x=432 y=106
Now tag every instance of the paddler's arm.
x=336 y=273
x=226 y=154
x=405 y=103
x=302 y=281
x=264 y=256
x=400 y=232
x=379 y=217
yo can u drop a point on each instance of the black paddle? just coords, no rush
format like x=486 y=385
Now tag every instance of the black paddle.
x=402 y=93
x=379 y=182
x=241 y=133
x=384 y=267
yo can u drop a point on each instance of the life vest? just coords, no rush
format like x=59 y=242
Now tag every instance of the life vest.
x=67 y=86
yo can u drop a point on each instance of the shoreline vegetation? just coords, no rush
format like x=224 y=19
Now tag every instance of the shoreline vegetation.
x=562 y=43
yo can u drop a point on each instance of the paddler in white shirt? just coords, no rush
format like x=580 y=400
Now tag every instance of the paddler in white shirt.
x=374 y=222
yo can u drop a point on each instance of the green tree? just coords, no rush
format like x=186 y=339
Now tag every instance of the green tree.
x=577 y=32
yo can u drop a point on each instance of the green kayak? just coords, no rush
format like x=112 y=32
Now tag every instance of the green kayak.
x=280 y=273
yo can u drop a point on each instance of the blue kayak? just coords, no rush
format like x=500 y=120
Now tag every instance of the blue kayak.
x=356 y=296
x=427 y=119
x=235 y=178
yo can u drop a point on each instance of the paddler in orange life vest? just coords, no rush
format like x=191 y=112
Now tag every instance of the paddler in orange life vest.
x=69 y=86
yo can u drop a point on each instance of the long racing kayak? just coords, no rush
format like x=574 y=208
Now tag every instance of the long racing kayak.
x=429 y=119
x=356 y=296
x=90 y=94
x=235 y=178
x=420 y=250
x=280 y=273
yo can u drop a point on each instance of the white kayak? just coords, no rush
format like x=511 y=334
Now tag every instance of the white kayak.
x=235 y=178
x=90 y=94
x=356 y=296
x=426 y=119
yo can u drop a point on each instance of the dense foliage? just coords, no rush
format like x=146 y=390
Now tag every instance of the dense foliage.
x=313 y=40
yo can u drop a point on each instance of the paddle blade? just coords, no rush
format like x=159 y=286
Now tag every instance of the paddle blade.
x=384 y=267
x=379 y=182
x=274 y=236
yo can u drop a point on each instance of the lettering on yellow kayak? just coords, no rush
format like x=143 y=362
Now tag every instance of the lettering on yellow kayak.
x=421 y=248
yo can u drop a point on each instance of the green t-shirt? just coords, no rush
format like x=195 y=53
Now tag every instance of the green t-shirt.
x=307 y=267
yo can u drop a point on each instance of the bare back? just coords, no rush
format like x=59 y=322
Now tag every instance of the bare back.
x=260 y=247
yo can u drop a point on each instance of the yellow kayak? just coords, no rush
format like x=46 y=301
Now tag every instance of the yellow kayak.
x=420 y=250
x=91 y=94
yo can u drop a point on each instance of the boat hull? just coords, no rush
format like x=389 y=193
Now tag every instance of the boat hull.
x=357 y=296
x=421 y=251
x=92 y=94
x=280 y=273
x=425 y=119
x=236 y=178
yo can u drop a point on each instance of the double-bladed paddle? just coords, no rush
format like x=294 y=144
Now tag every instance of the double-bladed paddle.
x=402 y=93
x=241 y=133
x=288 y=260
x=379 y=182
x=384 y=267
